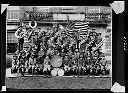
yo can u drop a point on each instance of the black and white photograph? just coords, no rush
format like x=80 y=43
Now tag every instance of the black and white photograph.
x=59 y=47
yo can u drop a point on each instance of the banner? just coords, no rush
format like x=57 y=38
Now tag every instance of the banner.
x=38 y=16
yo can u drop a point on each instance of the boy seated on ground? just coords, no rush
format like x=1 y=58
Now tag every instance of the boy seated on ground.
x=14 y=64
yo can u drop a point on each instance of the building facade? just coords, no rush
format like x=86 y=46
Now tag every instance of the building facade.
x=46 y=17
x=12 y=25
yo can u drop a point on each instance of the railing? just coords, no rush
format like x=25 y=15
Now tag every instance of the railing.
x=87 y=16
x=94 y=18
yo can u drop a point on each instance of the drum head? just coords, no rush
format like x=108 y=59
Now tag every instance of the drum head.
x=57 y=69
x=54 y=72
x=56 y=61
x=61 y=72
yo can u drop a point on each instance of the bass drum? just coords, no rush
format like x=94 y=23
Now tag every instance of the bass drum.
x=61 y=72
x=54 y=72
x=56 y=61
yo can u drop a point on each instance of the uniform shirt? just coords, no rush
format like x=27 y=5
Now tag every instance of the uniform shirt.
x=14 y=62
x=77 y=54
x=70 y=54
x=70 y=62
x=89 y=55
x=98 y=40
x=74 y=67
x=47 y=61
x=41 y=52
x=103 y=61
x=66 y=67
x=50 y=42
x=31 y=61
x=73 y=61
x=81 y=61
x=21 y=40
x=17 y=52
x=83 y=46
x=49 y=51
x=63 y=54
x=22 y=61
x=46 y=67
x=66 y=61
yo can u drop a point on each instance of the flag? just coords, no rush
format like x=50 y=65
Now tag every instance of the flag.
x=81 y=25
x=70 y=25
x=70 y=28
x=67 y=18
x=82 y=28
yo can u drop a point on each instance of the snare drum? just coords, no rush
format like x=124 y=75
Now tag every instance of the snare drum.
x=54 y=72
x=61 y=72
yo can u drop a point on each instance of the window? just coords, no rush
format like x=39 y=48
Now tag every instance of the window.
x=11 y=47
x=13 y=14
x=11 y=42
x=11 y=38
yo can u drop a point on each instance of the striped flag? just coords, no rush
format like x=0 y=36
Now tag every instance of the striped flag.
x=70 y=28
x=70 y=25
x=81 y=27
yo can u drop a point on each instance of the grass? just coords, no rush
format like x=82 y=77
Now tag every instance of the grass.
x=58 y=83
